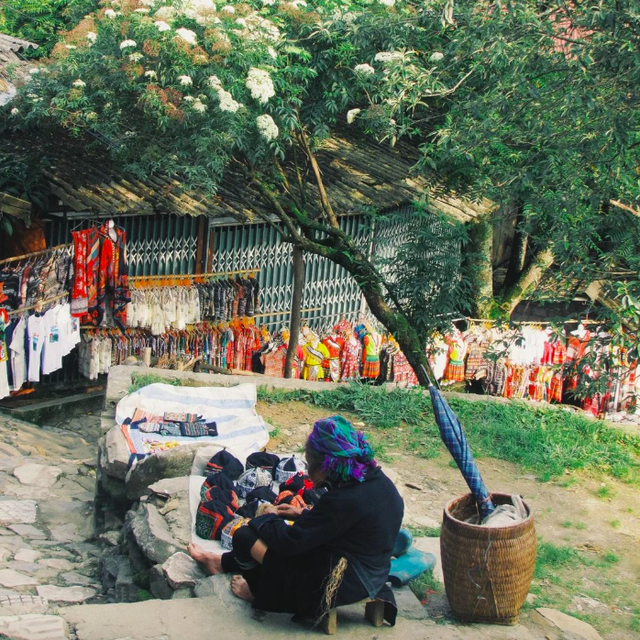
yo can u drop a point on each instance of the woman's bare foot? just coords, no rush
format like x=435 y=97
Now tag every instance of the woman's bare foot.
x=211 y=562
x=240 y=589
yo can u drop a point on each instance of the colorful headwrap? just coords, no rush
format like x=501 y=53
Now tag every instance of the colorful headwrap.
x=347 y=453
x=360 y=330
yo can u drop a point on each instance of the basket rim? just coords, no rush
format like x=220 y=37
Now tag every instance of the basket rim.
x=479 y=527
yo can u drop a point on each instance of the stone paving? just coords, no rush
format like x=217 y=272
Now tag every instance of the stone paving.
x=62 y=568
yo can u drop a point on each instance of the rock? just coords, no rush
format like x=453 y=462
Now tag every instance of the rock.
x=25 y=567
x=112 y=538
x=431 y=545
x=110 y=567
x=125 y=589
x=57 y=563
x=173 y=463
x=220 y=587
x=408 y=604
x=37 y=475
x=66 y=533
x=4 y=554
x=22 y=603
x=10 y=578
x=590 y=605
x=65 y=594
x=152 y=534
x=411 y=485
x=18 y=511
x=182 y=594
x=170 y=486
x=115 y=454
x=570 y=625
x=29 y=627
x=182 y=571
x=27 y=531
x=158 y=584
x=73 y=578
x=27 y=555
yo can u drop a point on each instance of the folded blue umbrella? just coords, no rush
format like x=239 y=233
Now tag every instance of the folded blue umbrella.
x=453 y=437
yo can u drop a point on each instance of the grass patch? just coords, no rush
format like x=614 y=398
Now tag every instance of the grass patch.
x=551 y=558
x=425 y=532
x=581 y=526
x=567 y=524
x=616 y=524
x=610 y=557
x=425 y=584
x=549 y=441
x=605 y=492
x=139 y=380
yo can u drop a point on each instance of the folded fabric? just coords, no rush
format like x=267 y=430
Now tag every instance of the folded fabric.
x=219 y=480
x=170 y=429
x=198 y=429
x=228 y=531
x=253 y=479
x=250 y=510
x=287 y=497
x=289 y=467
x=263 y=460
x=226 y=463
x=297 y=483
x=506 y=515
x=181 y=417
x=262 y=493
x=215 y=512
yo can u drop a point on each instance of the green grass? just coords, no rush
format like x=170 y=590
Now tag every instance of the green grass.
x=581 y=526
x=567 y=524
x=139 y=380
x=616 y=524
x=425 y=584
x=605 y=492
x=551 y=558
x=548 y=441
x=425 y=532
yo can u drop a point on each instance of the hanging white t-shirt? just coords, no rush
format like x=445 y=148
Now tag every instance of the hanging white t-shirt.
x=53 y=345
x=4 y=363
x=18 y=354
x=74 y=331
x=36 y=335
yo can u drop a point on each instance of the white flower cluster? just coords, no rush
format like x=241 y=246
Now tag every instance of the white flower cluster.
x=387 y=3
x=242 y=22
x=150 y=74
x=351 y=115
x=142 y=10
x=34 y=71
x=259 y=28
x=15 y=111
x=110 y=13
x=199 y=106
x=267 y=128
x=260 y=84
x=147 y=3
x=165 y=13
x=202 y=11
x=79 y=83
x=436 y=56
x=227 y=103
x=365 y=69
x=268 y=3
x=228 y=9
x=136 y=57
x=161 y=25
x=187 y=35
x=185 y=80
x=388 y=56
x=92 y=36
x=125 y=44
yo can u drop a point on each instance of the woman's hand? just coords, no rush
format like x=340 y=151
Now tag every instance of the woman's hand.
x=288 y=512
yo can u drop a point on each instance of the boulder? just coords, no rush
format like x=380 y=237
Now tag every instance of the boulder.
x=152 y=535
x=173 y=463
x=110 y=566
x=114 y=453
x=10 y=578
x=27 y=555
x=18 y=511
x=125 y=588
x=219 y=586
x=158 y=584
x=169 y=487
x=182 y=571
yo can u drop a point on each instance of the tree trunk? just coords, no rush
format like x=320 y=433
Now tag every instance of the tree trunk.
x=296 y=304
x=479 y=265
x=529 y=277
x=518 y=251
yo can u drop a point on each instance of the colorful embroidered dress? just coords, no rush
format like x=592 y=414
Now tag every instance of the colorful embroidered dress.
x=314 y=356
x=371 y=356
x=349 y=369
x=334 y=345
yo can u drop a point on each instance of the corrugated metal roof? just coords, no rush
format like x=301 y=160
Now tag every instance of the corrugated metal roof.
x=358 y=174
x=9 y=48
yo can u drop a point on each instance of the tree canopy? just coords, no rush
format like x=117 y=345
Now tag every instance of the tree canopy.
x=532 y=105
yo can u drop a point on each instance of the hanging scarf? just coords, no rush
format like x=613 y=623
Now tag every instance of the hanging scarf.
x=347 y=453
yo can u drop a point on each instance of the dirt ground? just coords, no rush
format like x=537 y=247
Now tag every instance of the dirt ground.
x=600 y=519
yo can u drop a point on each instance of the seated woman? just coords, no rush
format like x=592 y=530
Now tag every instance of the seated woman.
x=337 y=553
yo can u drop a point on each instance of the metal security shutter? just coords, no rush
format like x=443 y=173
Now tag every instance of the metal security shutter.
x=156 y=245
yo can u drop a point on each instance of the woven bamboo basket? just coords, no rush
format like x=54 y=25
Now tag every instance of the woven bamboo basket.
x=487 y=571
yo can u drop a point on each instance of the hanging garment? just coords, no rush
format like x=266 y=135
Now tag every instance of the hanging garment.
x=84 y=293
x=371 y=356
x=456 y=354
x=334 y=345
x=314 y=356
x=37 y=327
x=113 y=277
x=18 y=355
x=350 y=359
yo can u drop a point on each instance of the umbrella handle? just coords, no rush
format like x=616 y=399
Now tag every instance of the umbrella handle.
x=433 y=383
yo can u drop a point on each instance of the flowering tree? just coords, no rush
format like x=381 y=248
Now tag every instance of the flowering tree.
x=194 y=90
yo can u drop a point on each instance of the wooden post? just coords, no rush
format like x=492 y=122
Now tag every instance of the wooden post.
x=296 y=304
